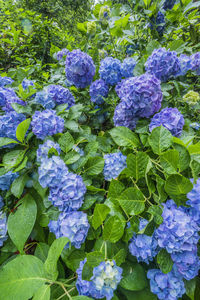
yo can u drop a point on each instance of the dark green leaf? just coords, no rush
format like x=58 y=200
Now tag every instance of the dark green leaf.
x=160 y=139
x=100 y=213
x=134 y=278
x=164 y=260
x=113 y=229
x=22 y=129
x=123 y=136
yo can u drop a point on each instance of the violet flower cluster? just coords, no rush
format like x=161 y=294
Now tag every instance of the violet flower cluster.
x=5 y=81
x=98 y=90
x=43 y=150
x=7 y=179
x=158 y=23
x=7 y=97
x=110 y=70
x=115 y=163
x=127 y=67
x=60 y=54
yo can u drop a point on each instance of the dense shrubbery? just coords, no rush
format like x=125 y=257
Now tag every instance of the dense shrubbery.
x=100 y=156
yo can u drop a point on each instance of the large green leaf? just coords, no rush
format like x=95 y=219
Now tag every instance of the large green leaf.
x=6 y=141
x=21 y=278
x=22 y=129
x=43 y=293
x=94 y=258
x=21 y=222
x=190 y=287
x=160 y=139
x=113 y=229
x=18 y=184
x=13 y=158
x=66 y=142
x=138 y=165
x=177 y=185
x=164 y=260
x=132 y=201
x=94 y=165
x=100 y=213
x=134 y=278
x=123 y=136
x=169 y=161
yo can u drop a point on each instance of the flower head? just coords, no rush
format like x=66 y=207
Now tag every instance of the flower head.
x=26 y=83
x=3 y=228
x=124 y=116
x=5 y=81
x=60 y=54
x=115 y=163
x=60 y=95
x=185 y=64
x=43 y=150
x=194 y=196
x=7 y=179
x=98 y=91
x=110 y=70
x=127 y=67
x=158 y=23
x=195 y=62
x=7 y=97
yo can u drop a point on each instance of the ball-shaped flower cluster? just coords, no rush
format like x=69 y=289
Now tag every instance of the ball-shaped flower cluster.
x=168 y=4
x=60 y=54
x=115 y=163
x=192 y=98
x=127 y=67
x=7 y=179
x=43 y=150
x=5 y=81
x=170 y=118
x=44 y=99
x=80 y=68
x=7 y=97
x=185 y=64
x=124 y=116
x=163 y=63
x=69 y=194
x=168 y=286
x=73 y=225
x=110 y=70
x=3 y=228
x=195 y=62
x=105 y=279
x=26 y=83
x=60 y=95
x=98 y=91
x=46 y=123
x=194 y=196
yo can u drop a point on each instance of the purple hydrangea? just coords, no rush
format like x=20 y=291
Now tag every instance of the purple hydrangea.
x=124 y=116
x=1 y=202
x=43 y=150
x=187 y=263
x=98 y=91
x=119 y=88
x=163 y=64
x=127 y=67
x=69 y=194
x=51 y=171
x=185 y=64
x=7 y=97
x=194 y=195
x=195 y=62
x=43 y=98
x=80 y=68
x=170 y=118
x=158 y=23
x=9 y=123
x=7 y=179
x=142 y=94
x=61 y=53
x=46 y=123
x=26 y=83
x=178 y=232
x=73 y=225
x=110 y=70
x=61 y=95
x=3 y=228
x=168 y=286
x=142 y=246
x=168 y=4
x=106 y=277
x=115 y=163
x=5 y=81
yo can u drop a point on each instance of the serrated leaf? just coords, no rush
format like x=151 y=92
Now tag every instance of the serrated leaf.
x=100 y=213
x=113 y=229
x=115 y=189
x=81 y=298
x=194 y=149
x=123 y=136
x=22 y=129
x=94 y=258
x=156 y=211
x=160 y=139
x=169 y=161
x=177 y=185
x=66 y=142
x=164 y=260
x=138 y=165
x=134 y=278
x=132 y=201
x=43 y=293
x=94 y=165
x=190 y=287
x=120 y=257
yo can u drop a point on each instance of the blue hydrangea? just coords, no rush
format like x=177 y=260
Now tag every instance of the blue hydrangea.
x=178 y=232
x=124 y=116
x=9 y=123
x=168 y=286
x=119 y=88
x=43 y=150
x=73 y=225
x=158 y=23
x=61 y=95
x=80 y=68
x=170 y=118
x=130 y=49
x=142 y=246
x=78 y=150
x=1 y=202
x=127 y=67
x=46 y=123
x=51 y=171
x=7 y=97
x=7 y=179
x=110 y=70
x=26 y=83
x=194 y=195
x=98 y=91
x=115 y=163
x=185 y=64
x=187 y=263
x=3 y=228
x=106 y=277
x=60 y=54
x=195 y=125
x=195 y=62
x=168 y=4
x=142 y=94
x=69 y=194
x=164 y=64
x=44 y=99
x=5 y=81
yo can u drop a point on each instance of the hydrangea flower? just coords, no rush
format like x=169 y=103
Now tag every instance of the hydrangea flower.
x=195 y=125
x=5 y=81
x=44 y=99
x=187 y=263
x=127 y=67
x=26 y=83
x=61 y=53
x=170 y=118
x=158 y=23
x=106 y=277
x=178 y=232
x=61 y=95
x=195 y=62
x=69 y=194
x=185 y=64
x=115 y=163
x=98 y=91
x=168 y=4
x=110 y=70
x=192 y=98
x=80 y=68
x=142 y=246
x=163 y=63
x=168 y=286
x=46 y=123
x=7 y=97
x=7 y=179
x=43 y=150
x=51 y=171
x=119 y=88
x=73 y=225
x=9 y=123
x=124 y=116
x=194 y=195
x=1 y=202
x=142 y=95
x=3 y=228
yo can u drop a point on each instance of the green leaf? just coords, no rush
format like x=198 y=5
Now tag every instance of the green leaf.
x=123 y=136
x=120 y=257
x=177 y=185
x=13 y=158
x=94 y=166
x=100 y=213
x=21 y=278
x=41 y=251
x=194 y=149
x=152 y=45
x=144 y=294
x=18 y=184
x=81 y=298
x=55 y=251
x=195 y=166
x=169 y=161
x=134 y=278
x=191 y=6
x=21 y=222
x=138 y=165
x=156 y=211
x=66 y=142
x=73 y=258
x=164 y=260
x=94 y=258
x=115 y=189
x=132 y=201
x=22 y=129
x=190 y=287
x=184 y=157
x=6 y=141
x=113 y=229
x=160 y=139
x=43 y=293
